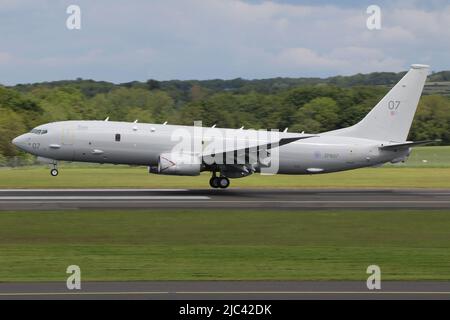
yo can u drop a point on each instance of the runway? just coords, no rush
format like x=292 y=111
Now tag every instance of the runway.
x=54 y=199
x=228 y=290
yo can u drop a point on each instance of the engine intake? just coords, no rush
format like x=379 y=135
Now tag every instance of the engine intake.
x=177 y=164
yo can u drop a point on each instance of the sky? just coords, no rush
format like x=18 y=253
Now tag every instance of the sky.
x=127 y=40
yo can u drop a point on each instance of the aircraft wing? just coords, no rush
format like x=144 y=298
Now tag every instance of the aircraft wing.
x=256 y=146
x=407 y=144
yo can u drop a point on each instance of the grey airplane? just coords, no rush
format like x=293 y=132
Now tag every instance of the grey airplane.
x=380 y=137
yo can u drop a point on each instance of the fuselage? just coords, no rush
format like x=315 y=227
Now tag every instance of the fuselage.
x=142 y=144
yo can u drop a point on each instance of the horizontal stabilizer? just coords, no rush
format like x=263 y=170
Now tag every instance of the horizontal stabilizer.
x=407 y=144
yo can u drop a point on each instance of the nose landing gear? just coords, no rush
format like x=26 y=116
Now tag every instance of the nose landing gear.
x=54 y=172
x=219 y=182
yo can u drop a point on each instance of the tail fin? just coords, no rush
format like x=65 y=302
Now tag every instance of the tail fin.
x=391 y=118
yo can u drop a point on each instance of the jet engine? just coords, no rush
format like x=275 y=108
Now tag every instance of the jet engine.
x=237 y=171
x=177 y=164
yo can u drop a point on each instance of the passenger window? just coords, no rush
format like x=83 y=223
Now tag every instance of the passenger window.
x=117 y=137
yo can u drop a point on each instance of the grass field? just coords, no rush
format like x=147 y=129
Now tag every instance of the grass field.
x=228 y=244
x=428 y=167
x=189 y=244
x=428 y=157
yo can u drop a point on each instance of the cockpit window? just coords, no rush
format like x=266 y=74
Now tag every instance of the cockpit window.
x=39 y=131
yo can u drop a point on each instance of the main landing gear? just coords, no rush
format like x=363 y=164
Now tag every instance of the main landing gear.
x=54 y=172
x=219 y=182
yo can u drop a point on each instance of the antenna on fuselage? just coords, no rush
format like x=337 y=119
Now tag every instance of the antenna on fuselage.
x=285 y=130
x=135 y=121
x=214 y=125
x=241 y=128
x=164 y=123
x=107 y=119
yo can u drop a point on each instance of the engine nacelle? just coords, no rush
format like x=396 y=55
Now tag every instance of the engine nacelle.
x=177 y=164
x=234 y=172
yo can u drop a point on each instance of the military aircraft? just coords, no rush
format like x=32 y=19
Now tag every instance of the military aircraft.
x=380 y=137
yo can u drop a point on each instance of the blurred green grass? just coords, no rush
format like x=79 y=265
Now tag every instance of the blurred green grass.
x=125 y=177
x=428 y=157
x=428 y=167
x=225 y=244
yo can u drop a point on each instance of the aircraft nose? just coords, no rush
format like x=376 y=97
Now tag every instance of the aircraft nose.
x=19 y=141
x=15 y=141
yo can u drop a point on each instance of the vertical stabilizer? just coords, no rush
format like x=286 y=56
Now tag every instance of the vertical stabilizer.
x=391 y=118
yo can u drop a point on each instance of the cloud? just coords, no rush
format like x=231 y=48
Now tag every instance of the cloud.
x=306 y=58
x=345 y=61
x=197 y=39
x=5 y=58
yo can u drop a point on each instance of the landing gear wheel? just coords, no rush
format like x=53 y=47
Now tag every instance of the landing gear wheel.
x=224 y=182
x=214 y=182
x=54 y=172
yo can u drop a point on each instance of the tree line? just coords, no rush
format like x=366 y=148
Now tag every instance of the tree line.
x=305 y=104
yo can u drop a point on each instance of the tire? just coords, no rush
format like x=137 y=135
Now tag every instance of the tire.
x=224 y=182
x=214 y=182
x=54 y=172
